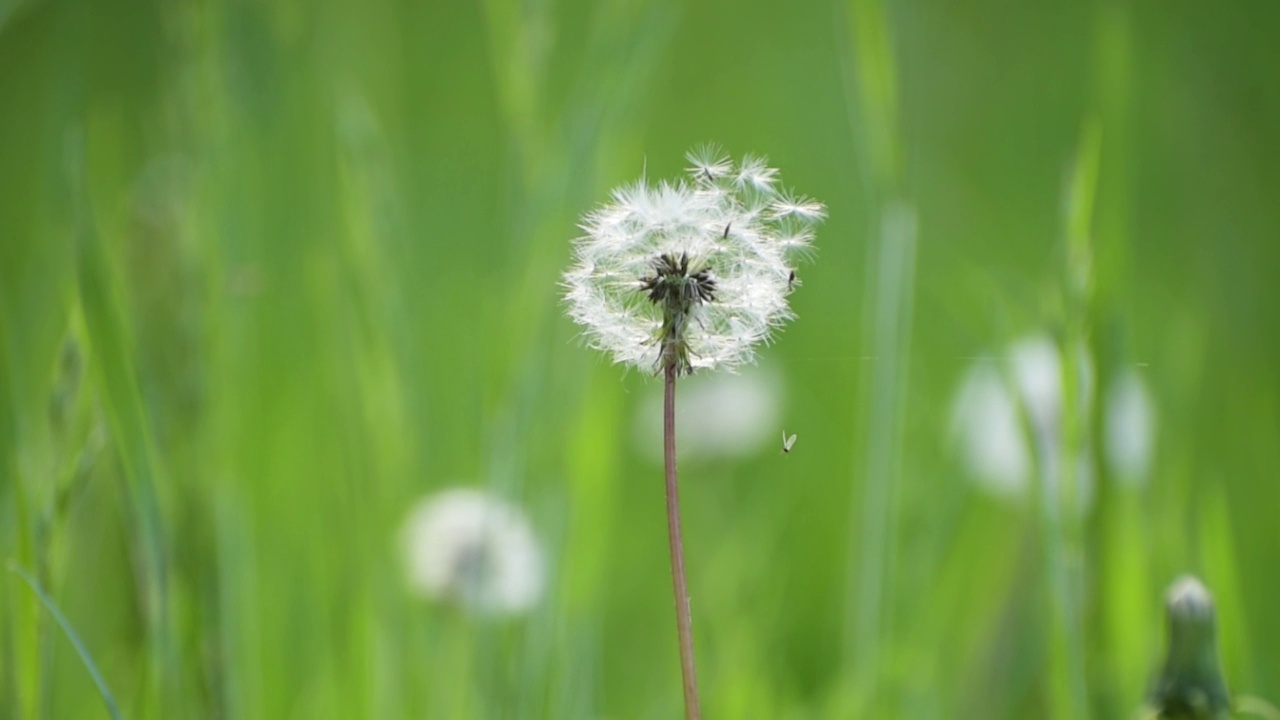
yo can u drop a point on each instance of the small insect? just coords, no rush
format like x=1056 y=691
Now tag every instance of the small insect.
x=791 y=281
x=788 y=442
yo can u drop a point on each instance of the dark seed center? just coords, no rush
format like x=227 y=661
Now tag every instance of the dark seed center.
x=672 y=284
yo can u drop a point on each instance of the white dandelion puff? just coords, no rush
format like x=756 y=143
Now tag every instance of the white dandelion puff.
x=697 y=269
x=472 y=548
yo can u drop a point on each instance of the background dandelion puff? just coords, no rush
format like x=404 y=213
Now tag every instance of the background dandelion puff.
x=475 y=549
x=996 y=449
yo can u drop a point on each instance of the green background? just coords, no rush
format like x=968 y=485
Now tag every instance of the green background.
x=271 y=271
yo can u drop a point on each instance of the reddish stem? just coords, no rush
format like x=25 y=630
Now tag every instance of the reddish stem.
x=684 y=623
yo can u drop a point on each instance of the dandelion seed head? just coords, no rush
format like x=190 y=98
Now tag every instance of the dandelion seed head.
x=474 y=549
x=705 y=263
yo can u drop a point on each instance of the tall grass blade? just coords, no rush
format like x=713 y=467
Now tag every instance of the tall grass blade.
x=107 y=698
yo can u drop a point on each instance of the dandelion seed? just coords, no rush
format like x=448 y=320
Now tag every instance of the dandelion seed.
x=709 y=162
x=472 y=548
x=798 y=207
x=754 y=173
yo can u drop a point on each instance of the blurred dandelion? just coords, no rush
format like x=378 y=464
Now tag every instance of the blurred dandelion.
x=684 y=275
x=1130 y=431
x=720 y=416
x=473 y=548
x=987 y=418
x=984 y=418
x=994 y=396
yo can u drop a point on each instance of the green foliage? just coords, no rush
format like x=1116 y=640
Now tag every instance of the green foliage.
x=269 y=272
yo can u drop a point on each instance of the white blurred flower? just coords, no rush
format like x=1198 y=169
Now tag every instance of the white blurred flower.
x=1037 y=371
x=471 y=547
x=987 y=423
x=701 y=267
x=722 y=415
x=984 y=416
x=1130 y=431
x=986 y=420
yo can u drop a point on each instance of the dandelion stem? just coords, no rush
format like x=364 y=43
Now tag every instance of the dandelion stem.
x=684 y=623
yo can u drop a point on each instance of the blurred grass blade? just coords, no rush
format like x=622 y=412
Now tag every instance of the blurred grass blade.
x=107 y=698
x=872 y=97
x=130 y=427
x=873 y=101
x=890 y=283
x=1060 y=511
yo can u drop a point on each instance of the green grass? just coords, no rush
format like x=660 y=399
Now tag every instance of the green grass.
x=269 y=274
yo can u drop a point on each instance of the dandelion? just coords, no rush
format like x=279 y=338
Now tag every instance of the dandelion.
x=474 y=549
x=989 y=410
x=1130 y=436
x=698 y=268
x=991 y=405
x=721 y=415
x=686 y=275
